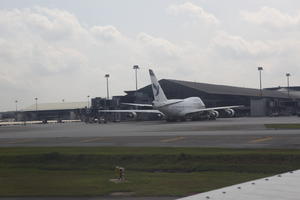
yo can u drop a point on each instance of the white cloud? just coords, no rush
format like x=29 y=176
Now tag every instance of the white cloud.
x=42 y=50
x=49 y=24
x=193 y=11
x=240 y=48
x=158 y=46
x=239 y=57
x=108 y=33
x=272 y=18
x=50 y=54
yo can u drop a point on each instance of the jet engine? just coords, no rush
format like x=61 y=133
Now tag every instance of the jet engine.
x=131 y=115
x=230 y=112
x=214 y=114
x=159 y=116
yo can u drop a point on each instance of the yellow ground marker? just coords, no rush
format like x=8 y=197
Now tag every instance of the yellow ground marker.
x=92 y=140
x=172 y=139
x=261 y=139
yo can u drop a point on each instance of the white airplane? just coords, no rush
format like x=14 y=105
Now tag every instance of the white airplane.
x=176 y=109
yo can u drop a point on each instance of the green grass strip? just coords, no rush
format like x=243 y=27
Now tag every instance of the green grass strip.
x=283 y=126
x=85 y=171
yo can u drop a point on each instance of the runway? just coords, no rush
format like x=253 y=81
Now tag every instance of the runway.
x=228 y=132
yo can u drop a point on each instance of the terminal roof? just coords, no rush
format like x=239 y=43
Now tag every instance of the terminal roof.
x=230 y=90
x=56 y=106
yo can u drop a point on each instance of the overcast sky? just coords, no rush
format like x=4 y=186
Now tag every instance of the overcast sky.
x=61 y=49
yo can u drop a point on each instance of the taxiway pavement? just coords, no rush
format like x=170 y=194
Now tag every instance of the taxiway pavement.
x=228 y=132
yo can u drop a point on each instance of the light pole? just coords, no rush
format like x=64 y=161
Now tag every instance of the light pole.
x=88 y=101
x=107 y=91
x=16 y=101
x=36 y=105
x=260 y=85
x=136 y=67
x=288 y=83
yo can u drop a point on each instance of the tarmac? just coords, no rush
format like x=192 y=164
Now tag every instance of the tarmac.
x=228 y=132
x=243 y=132
x=89 y=198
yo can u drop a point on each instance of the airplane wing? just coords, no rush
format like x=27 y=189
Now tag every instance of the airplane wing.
x=211 y=109
x=138 y=104
x=278 y=187
x=130 y=111
x=150 y=105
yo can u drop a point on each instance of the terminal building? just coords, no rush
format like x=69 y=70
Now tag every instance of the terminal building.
x=277 y=101
x=52 y=111
x=268 y=102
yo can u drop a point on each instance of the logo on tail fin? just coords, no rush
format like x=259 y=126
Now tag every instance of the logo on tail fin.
x=158 y=92
x=156 y=88
x=151 y=72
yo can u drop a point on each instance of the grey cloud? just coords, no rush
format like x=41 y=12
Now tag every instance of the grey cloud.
x=158 y=46
x=43 y=49
x=51 y=49
x=272 y=18
x=240 y=48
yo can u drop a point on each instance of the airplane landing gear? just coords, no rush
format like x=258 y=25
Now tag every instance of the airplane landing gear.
x=171 y=120
x=212 y=117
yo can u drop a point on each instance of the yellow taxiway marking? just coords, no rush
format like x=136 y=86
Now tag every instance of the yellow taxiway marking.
x=172 y=139
x=261 y=139
x=91 y=140
x=20 y=141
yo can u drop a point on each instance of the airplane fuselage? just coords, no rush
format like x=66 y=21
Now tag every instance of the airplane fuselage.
x=176 y=108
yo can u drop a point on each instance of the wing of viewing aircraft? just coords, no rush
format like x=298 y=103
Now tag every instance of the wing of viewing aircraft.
x=278 y=187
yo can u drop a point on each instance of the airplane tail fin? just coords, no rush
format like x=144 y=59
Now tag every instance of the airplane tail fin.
x=158 y=93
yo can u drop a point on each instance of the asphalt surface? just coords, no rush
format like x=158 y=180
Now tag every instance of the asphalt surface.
x=233 y=133
x=89 y=198
x=229 y=132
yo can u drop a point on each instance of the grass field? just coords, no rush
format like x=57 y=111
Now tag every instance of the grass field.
x=283 y=126
x=85 y=171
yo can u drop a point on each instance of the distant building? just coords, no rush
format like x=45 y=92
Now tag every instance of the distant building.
x=271 y=102
x=52 y=111
x=293 y=90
